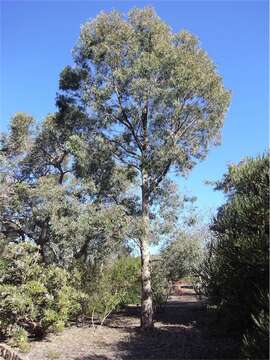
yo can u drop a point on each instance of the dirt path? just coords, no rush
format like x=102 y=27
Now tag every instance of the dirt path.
x=180 y=333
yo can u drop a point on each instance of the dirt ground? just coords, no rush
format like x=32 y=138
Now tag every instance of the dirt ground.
x=180 y=332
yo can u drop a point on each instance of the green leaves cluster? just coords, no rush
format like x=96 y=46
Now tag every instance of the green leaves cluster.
x=36 y=298
x=256 y=340
x=65 y=202
x=179 y=258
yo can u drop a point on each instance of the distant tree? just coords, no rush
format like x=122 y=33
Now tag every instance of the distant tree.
x=182 y=255
x=153 y=96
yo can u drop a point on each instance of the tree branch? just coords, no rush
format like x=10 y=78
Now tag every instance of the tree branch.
x=128 y=151
x=158 y=179
x=126 y=122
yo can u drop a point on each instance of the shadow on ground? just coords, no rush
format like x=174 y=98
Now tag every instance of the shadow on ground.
x=181 y=332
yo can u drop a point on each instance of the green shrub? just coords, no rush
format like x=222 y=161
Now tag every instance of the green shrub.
x=256 y=340
x=236 y=269
x=160 y=283
x=20 y=339
x=125 y=276
x=33 y=296
x=114 y=286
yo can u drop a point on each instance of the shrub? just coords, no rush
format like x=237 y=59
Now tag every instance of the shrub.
x=256 y=340
x=177 y=260
x=114 y=286
x=20 y=339
x=235 y=272
x=34 y=298
x=160 y=284
x=125 y=275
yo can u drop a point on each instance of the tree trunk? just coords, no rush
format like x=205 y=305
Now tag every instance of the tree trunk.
x=146 y=291
x=146 y=295
x=43 y=237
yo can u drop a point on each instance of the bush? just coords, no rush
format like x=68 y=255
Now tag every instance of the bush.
x=236 y=272
x=113 y=286
x=20 y=339
x=256 y=340
x=177 y=260
x=125 y=276
x=160 y=284
x=34 y=298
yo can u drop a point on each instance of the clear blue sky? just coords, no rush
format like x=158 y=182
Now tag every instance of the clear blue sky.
x=37 y=38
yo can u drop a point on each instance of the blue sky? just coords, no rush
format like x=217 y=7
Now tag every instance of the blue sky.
x=37 y=38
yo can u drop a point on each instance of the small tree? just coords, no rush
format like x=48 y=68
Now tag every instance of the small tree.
x=153 y=96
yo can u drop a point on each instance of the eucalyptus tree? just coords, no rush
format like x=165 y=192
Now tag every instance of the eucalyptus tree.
x=154 y=96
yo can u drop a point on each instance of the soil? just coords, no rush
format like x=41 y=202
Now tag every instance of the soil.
x=181 y=332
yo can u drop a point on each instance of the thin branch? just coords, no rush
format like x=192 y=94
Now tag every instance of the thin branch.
x=127 y=162
x=186 y=129
x=130 y=152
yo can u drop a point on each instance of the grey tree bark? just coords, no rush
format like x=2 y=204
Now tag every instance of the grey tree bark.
x=146 y=290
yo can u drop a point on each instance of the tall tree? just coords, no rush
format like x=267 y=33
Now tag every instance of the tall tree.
x=154 y=96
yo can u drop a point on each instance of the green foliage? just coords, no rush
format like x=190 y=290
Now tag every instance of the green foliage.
x=20 y=129
x=125 y=275
x=114 y=286
x=159 y=89
x=156 y=103
x=20 y=339
x=178 y=259
x=33 y=296
x=160 y=283
x=256 y=340
x=181 y=256
x=236 y=271
x=42 y=200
